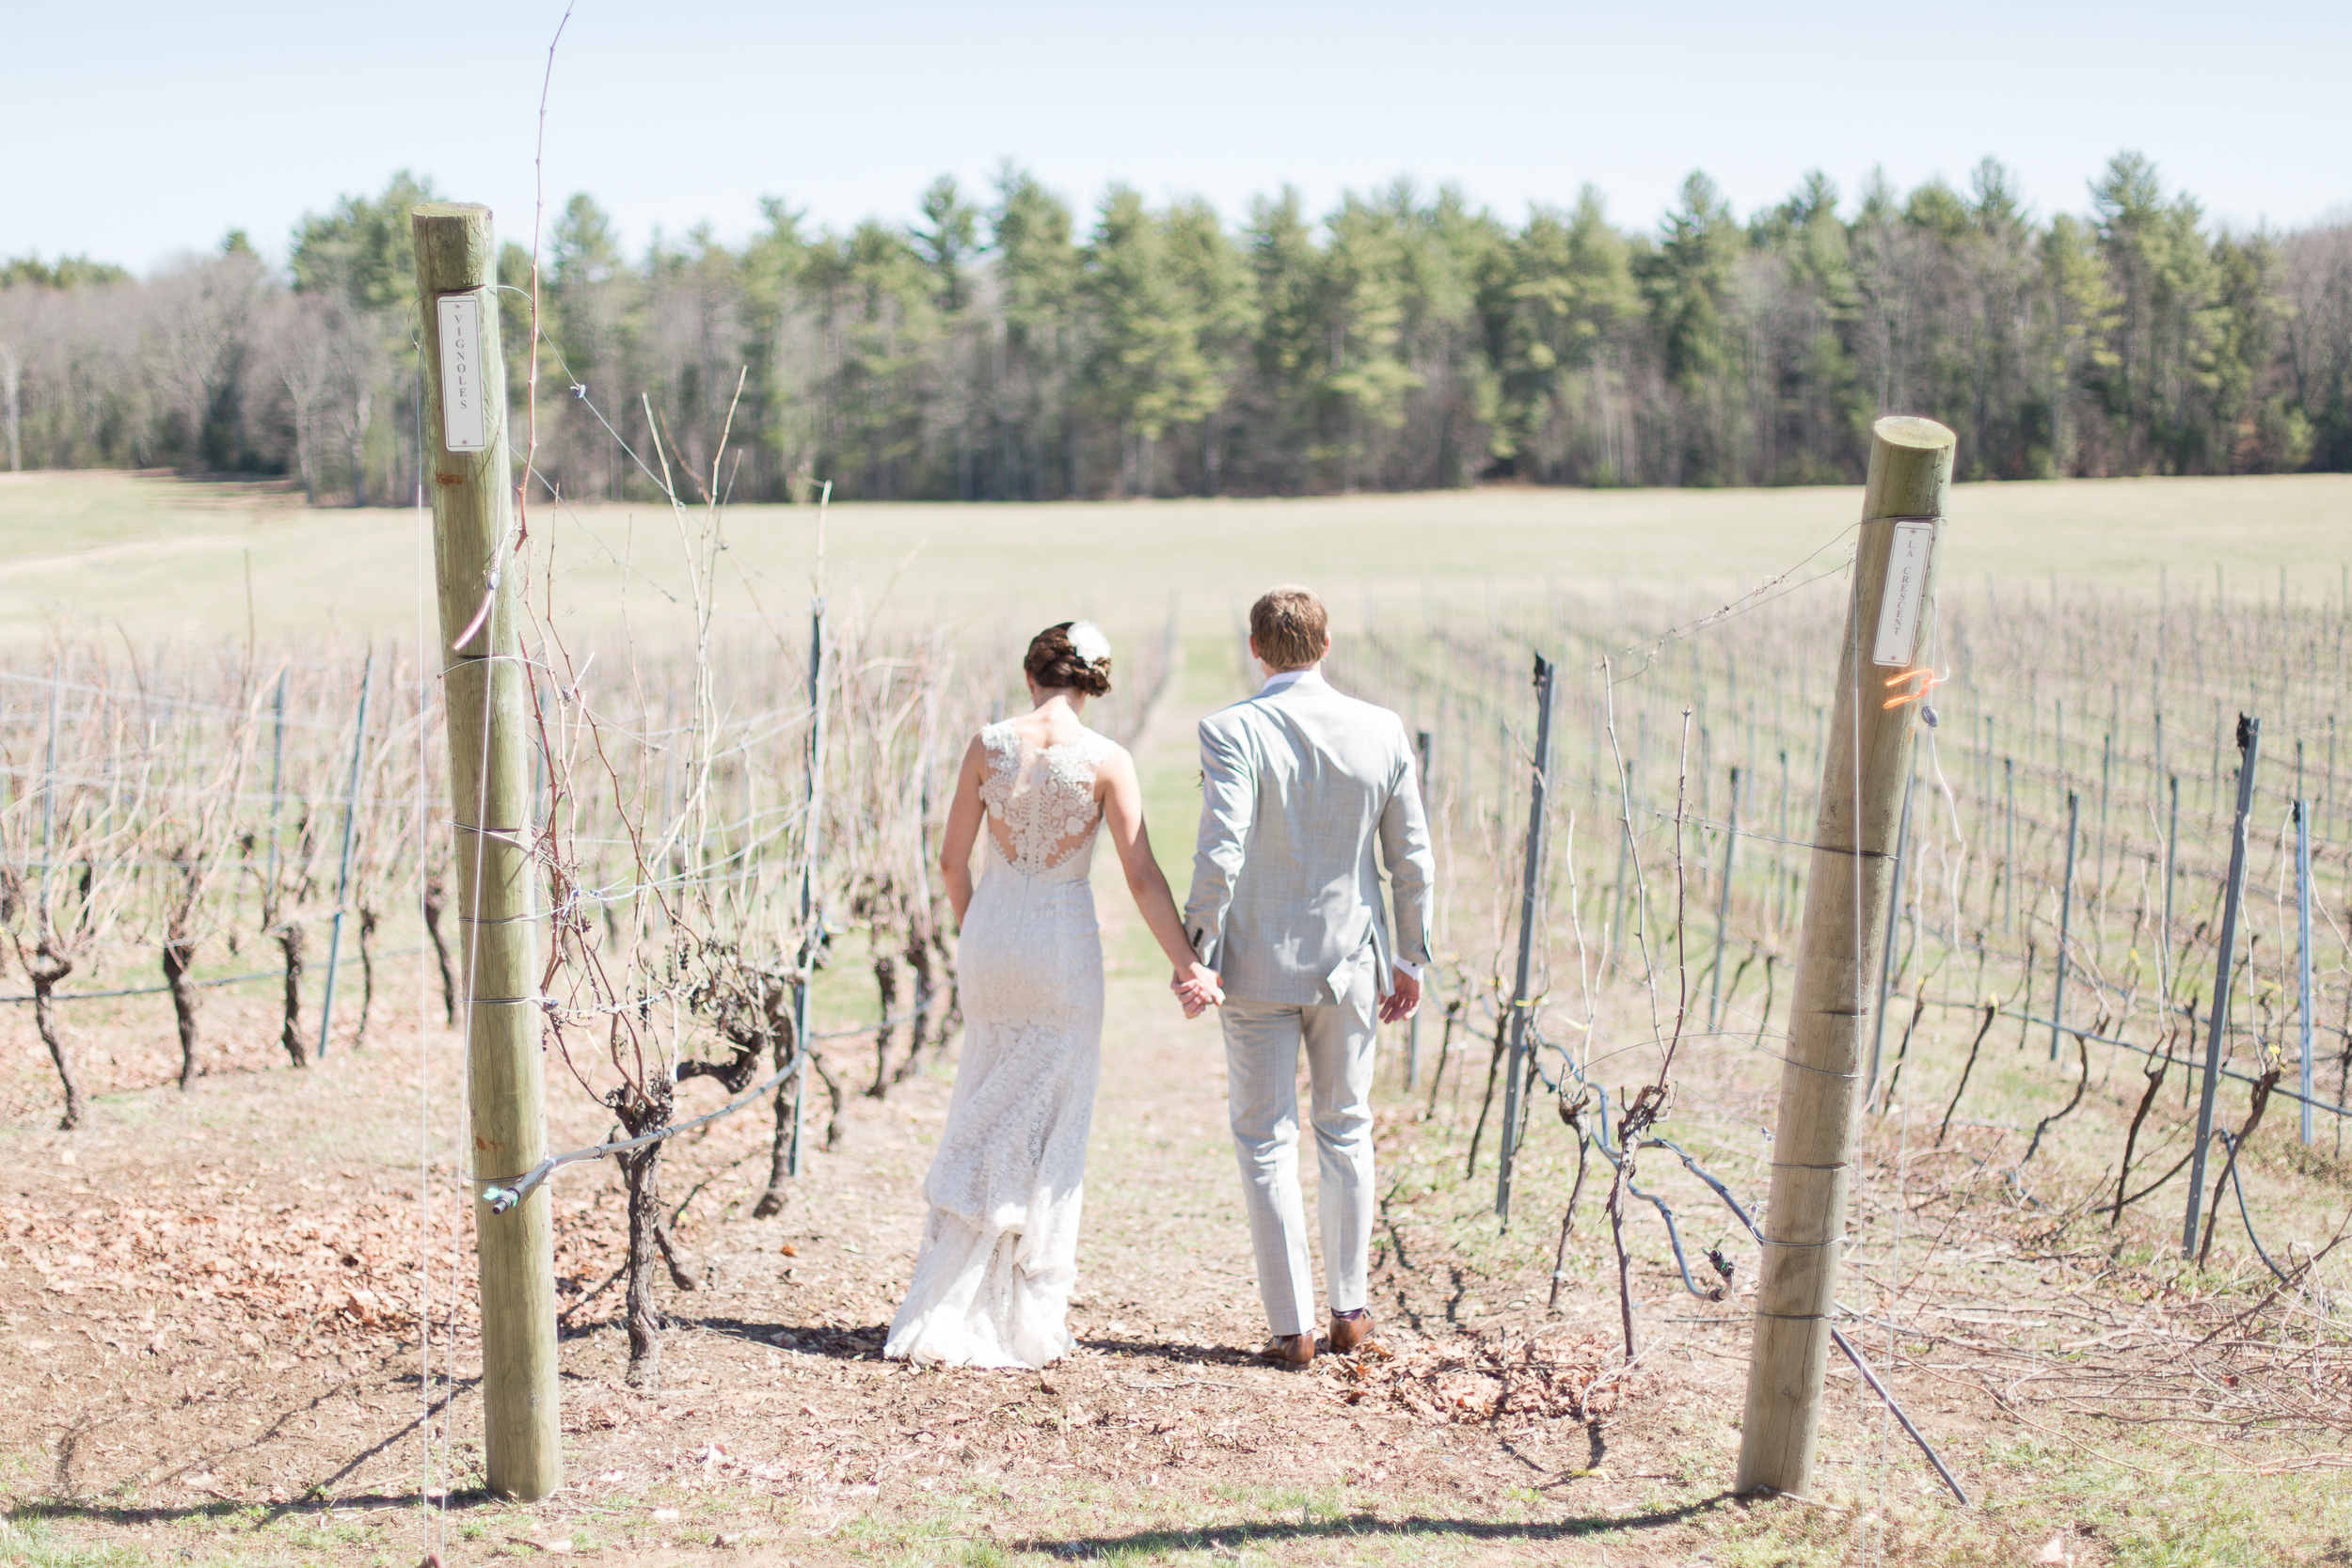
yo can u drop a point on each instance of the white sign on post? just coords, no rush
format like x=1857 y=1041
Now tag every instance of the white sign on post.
x=1906 y=595
x=465 y=418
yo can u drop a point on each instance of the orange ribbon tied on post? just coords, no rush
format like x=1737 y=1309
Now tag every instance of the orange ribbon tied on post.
x=1925 y=674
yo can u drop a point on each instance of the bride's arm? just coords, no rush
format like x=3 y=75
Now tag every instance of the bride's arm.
x=1123 y=815
x=964 y=828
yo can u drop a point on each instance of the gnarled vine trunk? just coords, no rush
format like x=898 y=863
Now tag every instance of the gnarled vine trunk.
x=290 y=1029
x=640 y=1110
x=885 y=1031
x=179 y=957
x=52 y=968
x=367 y=974
x=435 y=901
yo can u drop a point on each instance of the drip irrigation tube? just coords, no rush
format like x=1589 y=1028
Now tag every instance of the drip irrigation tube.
x=2281 y=1090
x=2237 y=1185
x=223 y=981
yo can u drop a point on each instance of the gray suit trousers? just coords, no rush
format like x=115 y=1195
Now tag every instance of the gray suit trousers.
x=1262 y=1046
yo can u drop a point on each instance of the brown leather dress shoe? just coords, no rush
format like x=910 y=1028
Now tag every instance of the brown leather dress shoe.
x=1294 y=1351
x=1347 y=1332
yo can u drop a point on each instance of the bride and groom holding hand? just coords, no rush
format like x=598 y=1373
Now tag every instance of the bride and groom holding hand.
x=1285 y=932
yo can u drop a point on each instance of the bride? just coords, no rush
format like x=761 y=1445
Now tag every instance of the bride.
x=999 y=1255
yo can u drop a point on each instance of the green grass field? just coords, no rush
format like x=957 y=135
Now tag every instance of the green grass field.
x=168 y=559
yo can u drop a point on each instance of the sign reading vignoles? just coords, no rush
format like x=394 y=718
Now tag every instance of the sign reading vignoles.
x=1906 y=591
x=465 y=425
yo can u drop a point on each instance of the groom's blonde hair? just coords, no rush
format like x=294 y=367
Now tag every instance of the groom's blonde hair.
x=1290 y=628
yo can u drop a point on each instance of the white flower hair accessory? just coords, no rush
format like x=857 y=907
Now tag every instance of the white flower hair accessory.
x=1088 y=642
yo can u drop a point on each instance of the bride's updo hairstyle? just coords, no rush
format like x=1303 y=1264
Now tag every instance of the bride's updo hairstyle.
x=1071 y=657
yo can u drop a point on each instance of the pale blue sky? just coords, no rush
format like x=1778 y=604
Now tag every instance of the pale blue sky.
x=137 y=130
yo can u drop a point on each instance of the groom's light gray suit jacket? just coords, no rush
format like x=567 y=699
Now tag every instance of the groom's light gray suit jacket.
x=1297 y=784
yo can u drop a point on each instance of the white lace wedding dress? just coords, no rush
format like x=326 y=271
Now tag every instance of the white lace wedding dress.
x=999 y=1256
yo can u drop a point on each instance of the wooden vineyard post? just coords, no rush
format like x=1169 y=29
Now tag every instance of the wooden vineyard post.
x=1422 y=741
x=277 y=776
x=1881 y=684
x=784 y=1156
x=2008 y=845
x=342 y=876
x=2171 y=874
x=2066 y=920
x=485 y=694
x=1519 y=1076
x=2303 y=950
x=2250 y=745
x=812 y=929
x=1723 y=913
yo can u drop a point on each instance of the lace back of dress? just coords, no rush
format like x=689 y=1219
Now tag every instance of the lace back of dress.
x=1041 y=810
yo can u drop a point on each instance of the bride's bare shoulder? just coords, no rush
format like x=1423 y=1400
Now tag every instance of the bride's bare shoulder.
x=1107 y=756
x=988 y=741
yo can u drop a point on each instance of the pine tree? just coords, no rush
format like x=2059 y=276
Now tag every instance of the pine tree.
x=1686 y=284
x=1036 y=341
x=1146 y=370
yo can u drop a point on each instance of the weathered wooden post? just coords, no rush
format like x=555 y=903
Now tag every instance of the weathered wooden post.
x=1423 y=741
x=2008 y=845
x=1723 y=913
x=2250 y=745
x=2066 y=920
x=342 y=875
x=2171 y=874
x=484 y=695
x=784 y=1158
x=812 y=845
x=2303 y=949
x=277 y=776
x=1518 y=1078
x=1880 y=690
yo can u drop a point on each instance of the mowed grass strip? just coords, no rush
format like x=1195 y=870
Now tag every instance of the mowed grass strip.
x=190 y=560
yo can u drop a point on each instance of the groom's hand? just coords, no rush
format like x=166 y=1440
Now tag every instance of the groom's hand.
x=1198 y=988
x=1404 y=998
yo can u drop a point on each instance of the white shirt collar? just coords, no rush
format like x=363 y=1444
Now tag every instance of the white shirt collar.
x=1292 y=677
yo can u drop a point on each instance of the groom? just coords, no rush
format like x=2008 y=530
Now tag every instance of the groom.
x=1297 y=784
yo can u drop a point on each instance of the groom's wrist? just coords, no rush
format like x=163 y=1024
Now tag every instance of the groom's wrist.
x=1410 y=970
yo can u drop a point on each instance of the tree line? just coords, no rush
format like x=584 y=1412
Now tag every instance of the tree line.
x=1005 y=347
